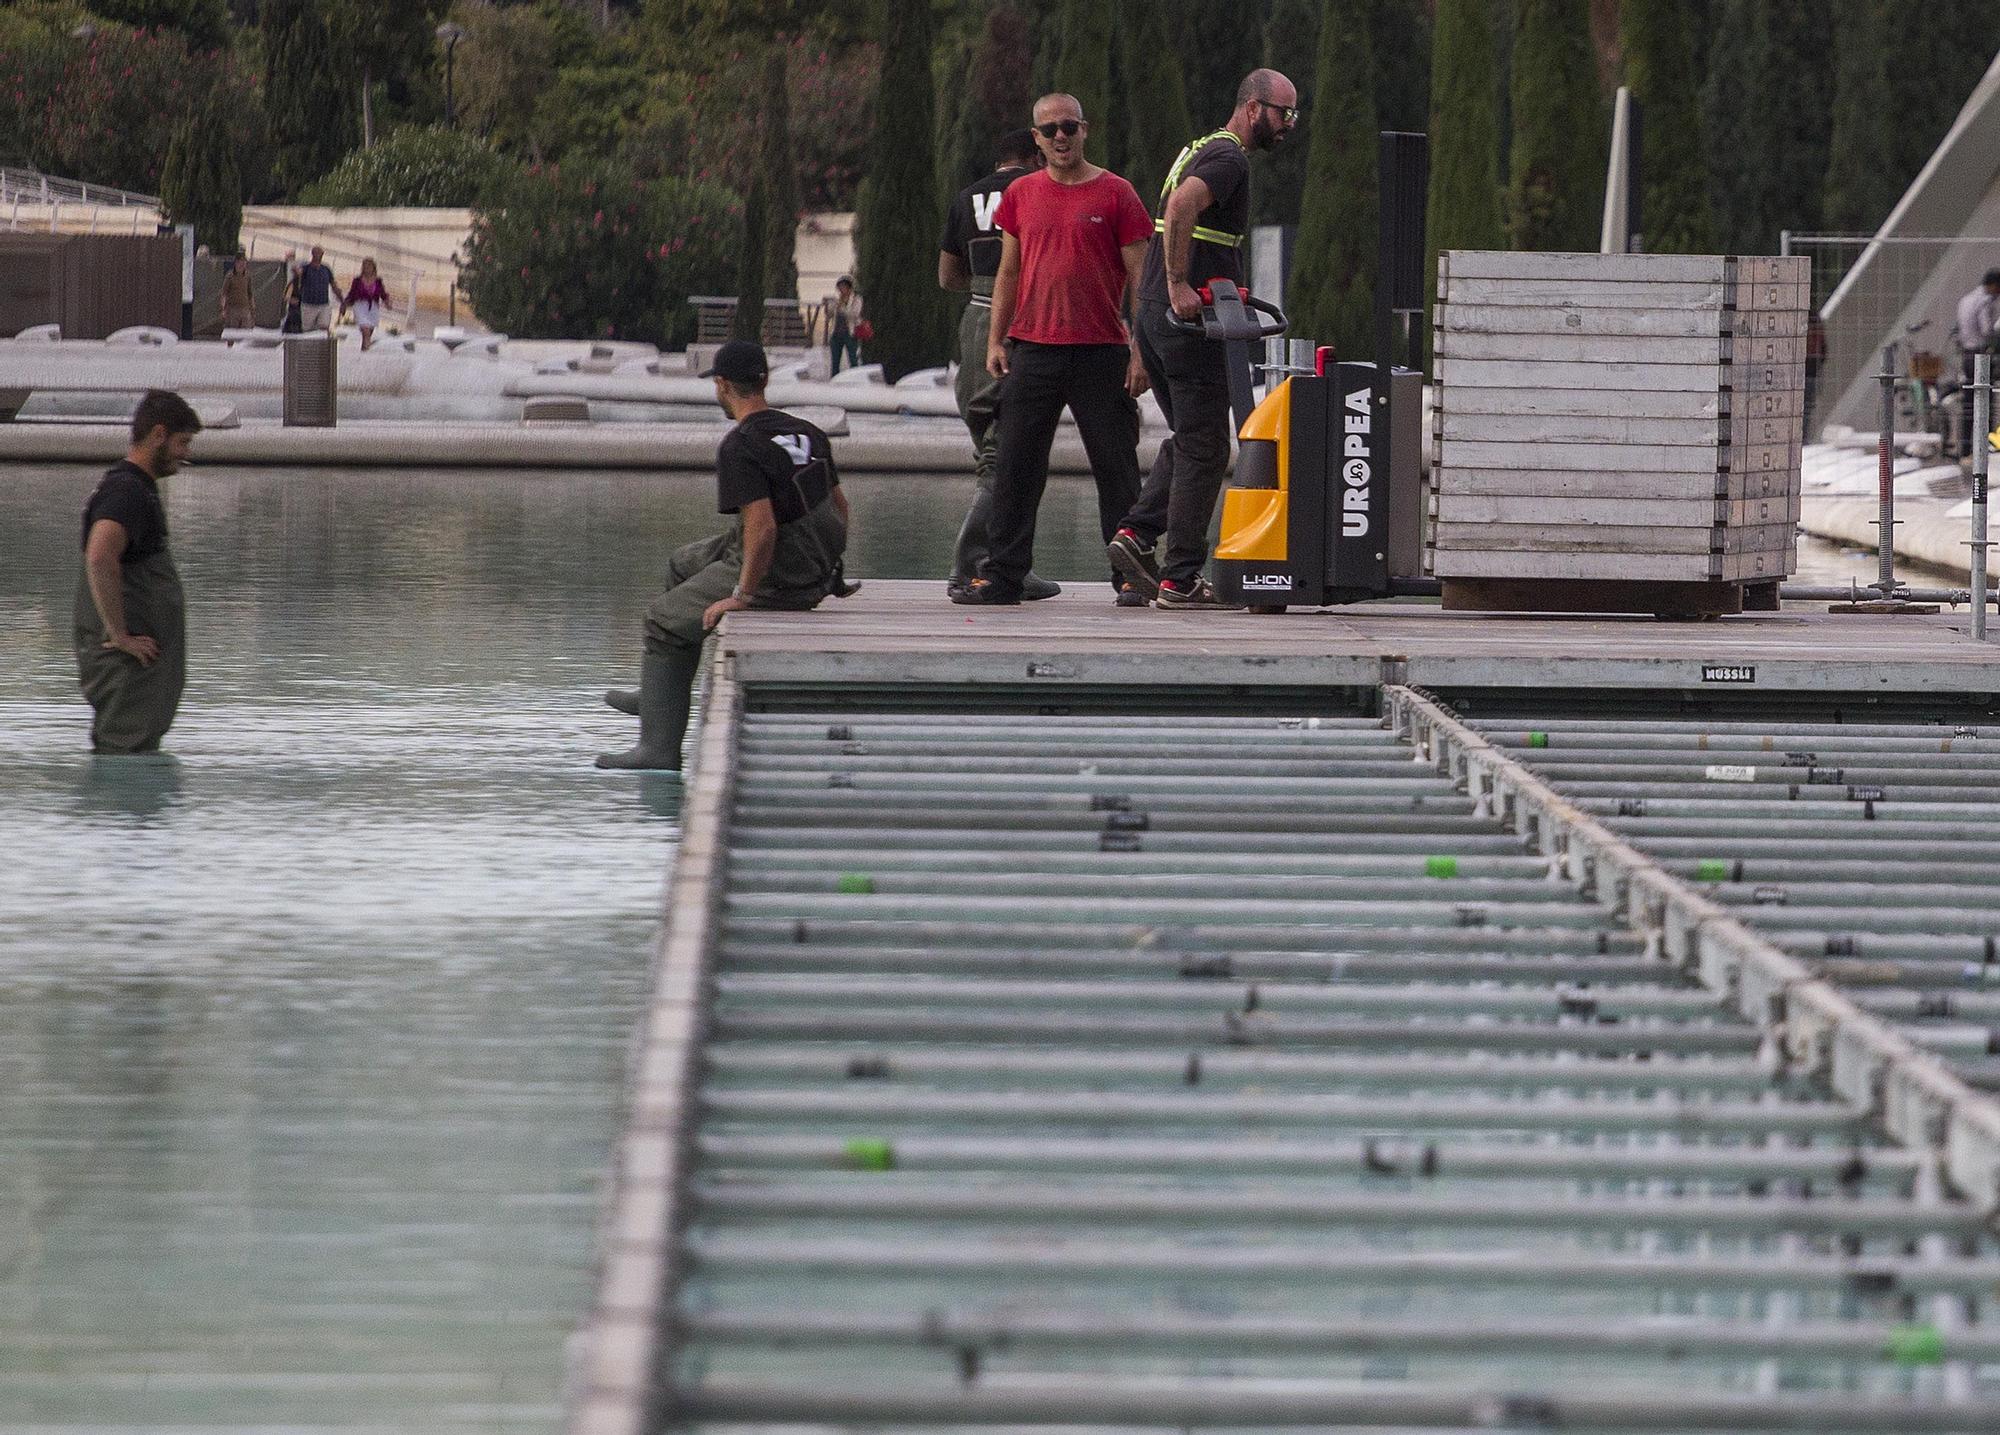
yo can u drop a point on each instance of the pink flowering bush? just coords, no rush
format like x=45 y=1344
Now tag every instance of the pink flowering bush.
x=588 y=251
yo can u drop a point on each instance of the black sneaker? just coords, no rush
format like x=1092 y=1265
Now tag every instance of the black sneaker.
x=1129 y=596
x=1134 y=560
x=985 y=593
x=1199 y=596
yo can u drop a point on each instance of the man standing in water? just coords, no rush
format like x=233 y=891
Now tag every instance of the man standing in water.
x=130 y=627
x=775 y=473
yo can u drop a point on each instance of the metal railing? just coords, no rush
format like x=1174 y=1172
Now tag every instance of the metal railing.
x=1863 y=290
x=28 y=186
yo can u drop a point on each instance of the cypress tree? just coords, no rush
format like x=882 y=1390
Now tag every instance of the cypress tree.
x=1659 y=69
x=1768 y=142
x=1949 y=43
x=1155 y=102
x=1331 y=296
x=201 y=183
x=752 y=286
x=1291 y=33
x=1402 y=31
x=1556 y=162
x=1083 y=67
x=305 y=93
x=1218 y=45
x=1861 y=180
x=777 y=167
x=1462 y=209
x=898 y=209
x=997 y=98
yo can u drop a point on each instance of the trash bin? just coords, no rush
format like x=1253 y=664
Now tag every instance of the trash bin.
x=312 y=381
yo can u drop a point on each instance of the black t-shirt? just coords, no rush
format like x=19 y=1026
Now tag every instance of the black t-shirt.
x=773 y=455
x=1224 y=166
x=128 y=496
x=969 y=228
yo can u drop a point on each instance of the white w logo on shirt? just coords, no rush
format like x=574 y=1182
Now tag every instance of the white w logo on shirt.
x=798 y=445
x=984 y=206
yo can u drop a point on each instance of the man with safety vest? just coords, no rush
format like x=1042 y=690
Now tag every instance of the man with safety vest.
x=1198 y=237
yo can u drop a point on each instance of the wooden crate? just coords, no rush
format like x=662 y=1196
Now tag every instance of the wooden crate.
x=1605 y=419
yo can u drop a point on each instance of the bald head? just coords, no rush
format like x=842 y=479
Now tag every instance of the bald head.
x=1266 y=109
x=1060 y=132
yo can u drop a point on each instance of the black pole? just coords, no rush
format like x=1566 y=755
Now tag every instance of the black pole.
x=1635 y=180
x=450 y=109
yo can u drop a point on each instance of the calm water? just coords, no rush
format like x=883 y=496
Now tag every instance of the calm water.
x=311 y=1038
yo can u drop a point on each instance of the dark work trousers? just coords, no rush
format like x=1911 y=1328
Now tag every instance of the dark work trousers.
x=1178 y=498
x=1041 y=379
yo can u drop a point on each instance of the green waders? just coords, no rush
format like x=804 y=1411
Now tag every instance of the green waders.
x=134 y=702
x=804 y=566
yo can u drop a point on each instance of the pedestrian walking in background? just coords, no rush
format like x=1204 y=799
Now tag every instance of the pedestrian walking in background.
x=1978 y=333
x=130 y=627
x=294 y=320
x=1074 y=236
x=237 y=311
x=367 y=297
x=317 y=293
x=845 y=324
x=968 y=260
x=1198 y=238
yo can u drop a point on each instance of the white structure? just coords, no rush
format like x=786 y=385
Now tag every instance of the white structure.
x=1899 y=274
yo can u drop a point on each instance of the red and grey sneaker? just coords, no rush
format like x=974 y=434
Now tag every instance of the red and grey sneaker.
x=1133 y=557
x=1197 y=595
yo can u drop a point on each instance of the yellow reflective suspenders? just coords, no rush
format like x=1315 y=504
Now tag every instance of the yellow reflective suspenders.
x=1181 y=162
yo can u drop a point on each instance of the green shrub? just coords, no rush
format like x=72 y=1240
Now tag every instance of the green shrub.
x=587 y=252
x=430 y=167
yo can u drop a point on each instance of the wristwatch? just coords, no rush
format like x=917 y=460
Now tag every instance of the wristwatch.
x=739 y=595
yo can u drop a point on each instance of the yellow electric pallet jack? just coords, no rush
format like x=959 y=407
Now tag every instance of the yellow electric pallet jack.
x=1327 y=503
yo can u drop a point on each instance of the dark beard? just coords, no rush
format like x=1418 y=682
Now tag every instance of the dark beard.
x=1264 y=134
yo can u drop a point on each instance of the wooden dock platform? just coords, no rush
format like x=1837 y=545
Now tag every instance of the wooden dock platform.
x=896 y=633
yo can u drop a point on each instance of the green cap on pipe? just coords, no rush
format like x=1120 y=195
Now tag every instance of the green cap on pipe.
x=1711 y=869
x=871 y=1153
x=859 y=883
x=1440 y=866
x=1915 y=1345
x=1538 y=739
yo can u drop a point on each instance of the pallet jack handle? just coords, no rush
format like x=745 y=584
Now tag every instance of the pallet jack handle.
x=1230 y=316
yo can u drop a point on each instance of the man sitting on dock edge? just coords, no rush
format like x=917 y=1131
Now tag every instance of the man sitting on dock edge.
x=775 y=473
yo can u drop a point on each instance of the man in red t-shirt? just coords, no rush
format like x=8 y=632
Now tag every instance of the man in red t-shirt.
x=1073 y=238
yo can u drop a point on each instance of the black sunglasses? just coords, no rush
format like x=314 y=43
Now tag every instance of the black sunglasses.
x=1290 y=112
x=1068 y=127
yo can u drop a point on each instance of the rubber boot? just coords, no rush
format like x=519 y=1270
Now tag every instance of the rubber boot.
x=666 y=692
x=625 y=700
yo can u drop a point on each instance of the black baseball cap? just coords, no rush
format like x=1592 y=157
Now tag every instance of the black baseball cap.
x=740 y=362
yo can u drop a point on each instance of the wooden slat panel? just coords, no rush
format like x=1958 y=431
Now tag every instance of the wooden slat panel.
x=1645 y=269
x=1620 y=349
x=1542 y=484
x=1645 y=539
x=1586 y=295
x=1668 y=567
x=1614 y=457
x=1464 y=398
x=1630 y=509
x=1613 y=428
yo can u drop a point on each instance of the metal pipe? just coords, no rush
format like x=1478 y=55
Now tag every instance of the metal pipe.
x=892 y=1062
x=1844 y=1166
x=1880 y=1277
x=1106 y=1331
x=1982 y=426
x=1854 y=593
x=1265 y=1205
x=1885 y=460
x=1095 y=1399
x=1230 y=1030
x=887 y=1110
x=1201 y=939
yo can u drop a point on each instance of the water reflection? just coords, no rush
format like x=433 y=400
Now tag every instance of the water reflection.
x=312 y=1034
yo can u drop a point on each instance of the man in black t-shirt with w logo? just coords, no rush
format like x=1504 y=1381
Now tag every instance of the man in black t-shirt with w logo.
x=968 y=258
x=776 y=474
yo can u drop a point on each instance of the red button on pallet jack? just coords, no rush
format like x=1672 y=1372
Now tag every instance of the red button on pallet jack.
x=1322 y=360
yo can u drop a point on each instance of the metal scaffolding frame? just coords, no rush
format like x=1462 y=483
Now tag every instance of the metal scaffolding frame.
x=1151 y=1072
